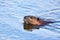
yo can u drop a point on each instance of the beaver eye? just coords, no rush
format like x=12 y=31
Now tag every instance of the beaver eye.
x=38 y=19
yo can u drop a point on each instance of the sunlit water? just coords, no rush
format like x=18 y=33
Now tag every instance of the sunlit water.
x=12 y=13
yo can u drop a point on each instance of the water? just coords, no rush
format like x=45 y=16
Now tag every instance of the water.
x=12 y=13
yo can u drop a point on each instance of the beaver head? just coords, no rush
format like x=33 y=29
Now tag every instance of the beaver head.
x=33 y=20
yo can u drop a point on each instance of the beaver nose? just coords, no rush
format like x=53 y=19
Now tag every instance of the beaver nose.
x=25 y=17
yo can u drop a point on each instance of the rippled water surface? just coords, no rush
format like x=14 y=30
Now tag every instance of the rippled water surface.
x=12 y=13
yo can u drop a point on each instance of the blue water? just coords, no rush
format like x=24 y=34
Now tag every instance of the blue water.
x=12 y=13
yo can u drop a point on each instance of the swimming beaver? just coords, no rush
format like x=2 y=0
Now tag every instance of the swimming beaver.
x=34 y=20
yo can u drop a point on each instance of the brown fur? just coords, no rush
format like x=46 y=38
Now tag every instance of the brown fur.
x=34 y=20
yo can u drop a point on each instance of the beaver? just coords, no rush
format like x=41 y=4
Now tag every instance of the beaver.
x=34 y=20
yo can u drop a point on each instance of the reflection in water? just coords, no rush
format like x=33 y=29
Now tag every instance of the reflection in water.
x=30 y=27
